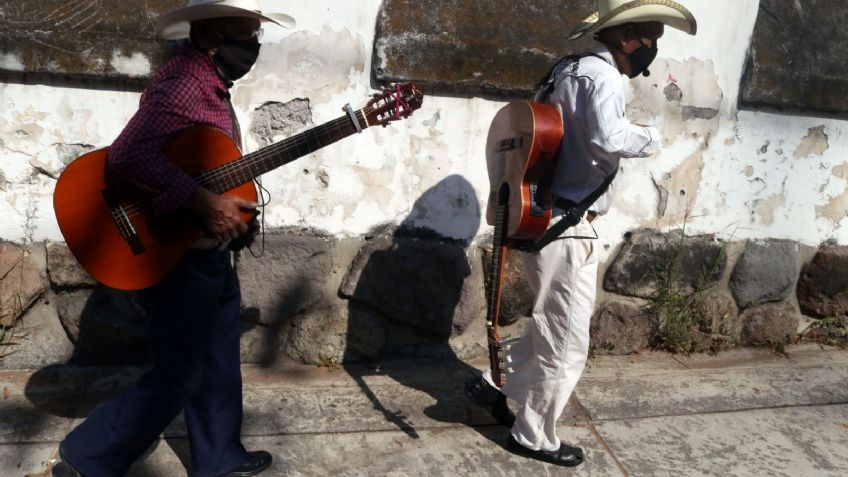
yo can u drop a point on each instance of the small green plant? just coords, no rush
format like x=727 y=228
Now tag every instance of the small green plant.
x=830 y=331
x=330 y=362
x=680 y=313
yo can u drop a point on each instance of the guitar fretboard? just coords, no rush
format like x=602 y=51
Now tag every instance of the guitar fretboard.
x=253 y=165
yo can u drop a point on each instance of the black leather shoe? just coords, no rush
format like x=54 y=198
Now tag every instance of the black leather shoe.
x=70 y=469
x=256 y=462
x=566 y=455
x=492 y=399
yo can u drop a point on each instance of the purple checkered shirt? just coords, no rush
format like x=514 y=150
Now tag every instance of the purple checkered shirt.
x=186 y=92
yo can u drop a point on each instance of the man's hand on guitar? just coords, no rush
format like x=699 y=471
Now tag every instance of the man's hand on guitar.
x=221 y=214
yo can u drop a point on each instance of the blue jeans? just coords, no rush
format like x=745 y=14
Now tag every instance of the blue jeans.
x=194 y=337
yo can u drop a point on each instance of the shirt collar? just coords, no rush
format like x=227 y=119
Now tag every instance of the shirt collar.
x=601 y=50
x=221 y=85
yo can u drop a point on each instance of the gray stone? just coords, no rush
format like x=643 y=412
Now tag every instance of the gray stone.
x=766 y=272
x=470 y=46
x=621 y=328
x=649 y=260
x=64 y=269
x=274 y=121
x=720 y=321
x=692 y=112
x=295 y=273
x=517 y=298
x=798 y=56
x=108 y=327
x=66 y=153
x=427 y=284
x=98 y=39
x=334 y=336
x=773 y=324
x=263 y=344
x=823 y=285
x=38 y=340
x=23 y=279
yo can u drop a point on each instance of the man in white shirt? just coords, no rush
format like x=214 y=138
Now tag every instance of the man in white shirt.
x=548 y=360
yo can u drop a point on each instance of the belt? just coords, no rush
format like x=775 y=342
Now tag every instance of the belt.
x=566 y=204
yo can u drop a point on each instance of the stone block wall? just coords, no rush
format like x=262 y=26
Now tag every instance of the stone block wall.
x=326 y=301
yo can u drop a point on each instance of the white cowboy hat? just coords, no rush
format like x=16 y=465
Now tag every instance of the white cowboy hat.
x=618 y=12
x=176 y=24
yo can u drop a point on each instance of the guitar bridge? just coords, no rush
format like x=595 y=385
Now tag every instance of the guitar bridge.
x=123 y=222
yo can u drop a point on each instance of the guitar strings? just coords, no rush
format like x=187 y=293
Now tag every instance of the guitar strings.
x=238 y=166
x=228 y=171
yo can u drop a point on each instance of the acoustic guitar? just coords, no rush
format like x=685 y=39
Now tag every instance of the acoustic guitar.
x=124 y=246
x=521 y=152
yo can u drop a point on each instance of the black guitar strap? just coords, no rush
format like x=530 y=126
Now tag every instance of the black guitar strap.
x=572 y=216
x=548 y=86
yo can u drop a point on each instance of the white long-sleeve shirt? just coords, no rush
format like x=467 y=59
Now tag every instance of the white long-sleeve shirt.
x=597 y=133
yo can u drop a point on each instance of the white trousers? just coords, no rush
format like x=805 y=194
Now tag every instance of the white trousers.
x=550 y=356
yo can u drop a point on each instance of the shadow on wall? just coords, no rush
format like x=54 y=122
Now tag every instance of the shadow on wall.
x=110 y=351
x=415 y=284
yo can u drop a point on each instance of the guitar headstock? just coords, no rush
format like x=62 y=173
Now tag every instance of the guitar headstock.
x=394 y=103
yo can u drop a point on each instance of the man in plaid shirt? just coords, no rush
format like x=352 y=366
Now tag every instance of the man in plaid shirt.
x=194 y=313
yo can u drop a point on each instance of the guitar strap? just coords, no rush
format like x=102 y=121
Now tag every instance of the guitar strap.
x=573 y=212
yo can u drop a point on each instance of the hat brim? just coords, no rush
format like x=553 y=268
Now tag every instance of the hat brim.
x=666 y=12
x=176 y=25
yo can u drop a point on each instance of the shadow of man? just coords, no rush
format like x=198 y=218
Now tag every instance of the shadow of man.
x=109 y=330
x=426 y=289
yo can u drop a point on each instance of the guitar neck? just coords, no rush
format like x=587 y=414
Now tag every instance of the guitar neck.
x=499 y=256
x=253 y=165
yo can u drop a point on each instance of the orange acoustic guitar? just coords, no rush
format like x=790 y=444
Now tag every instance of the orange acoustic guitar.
x=521 y=153
x=124 y=247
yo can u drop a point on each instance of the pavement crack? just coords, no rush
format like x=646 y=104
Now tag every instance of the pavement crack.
x=586 y=416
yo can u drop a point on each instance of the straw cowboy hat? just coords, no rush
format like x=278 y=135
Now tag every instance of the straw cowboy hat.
x=175 y=24
x=618 y=12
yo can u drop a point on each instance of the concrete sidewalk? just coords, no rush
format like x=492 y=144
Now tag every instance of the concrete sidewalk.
x=742 y=413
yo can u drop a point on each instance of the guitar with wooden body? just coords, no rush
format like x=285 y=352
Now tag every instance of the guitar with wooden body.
x=123 y=246
x=521 y=152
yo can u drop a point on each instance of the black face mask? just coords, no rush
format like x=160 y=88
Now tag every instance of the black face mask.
x=236 y=57
x=641 y=59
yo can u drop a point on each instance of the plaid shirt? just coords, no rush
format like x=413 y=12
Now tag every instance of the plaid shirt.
x=186 y=92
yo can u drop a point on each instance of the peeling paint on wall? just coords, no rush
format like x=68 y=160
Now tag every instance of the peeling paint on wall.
x=766 y=208
x=304 y=64
x=137 y=64
x=815 y=143
x=836 y=208
x=682 y=185
x=684 y=97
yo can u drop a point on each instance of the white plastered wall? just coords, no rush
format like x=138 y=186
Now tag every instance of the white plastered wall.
x=737 y=174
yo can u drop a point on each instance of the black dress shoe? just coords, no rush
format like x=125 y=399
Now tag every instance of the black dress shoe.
x=71 y=470
x=566 y=455
x=256 y=462
x=491 y=398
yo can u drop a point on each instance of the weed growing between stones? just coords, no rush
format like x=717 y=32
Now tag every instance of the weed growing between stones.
x=331 y=363
x=830 y=331
x=683 y=325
